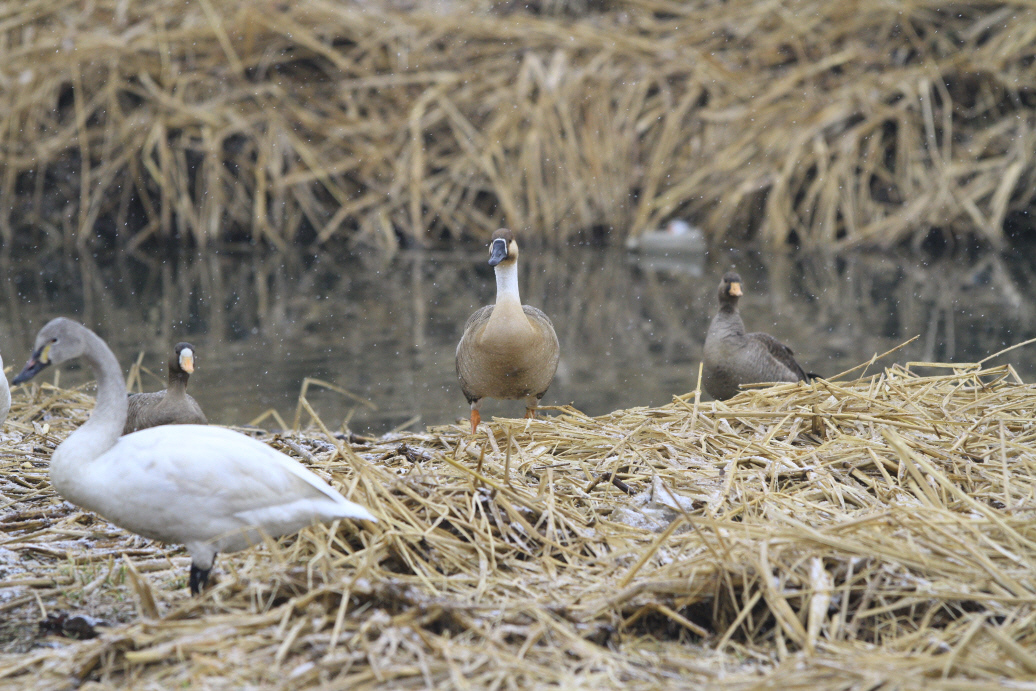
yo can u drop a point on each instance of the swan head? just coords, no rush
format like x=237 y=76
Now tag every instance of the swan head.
x=503 y=249
x=183 y=358
x=730 y=288
x=59 y=340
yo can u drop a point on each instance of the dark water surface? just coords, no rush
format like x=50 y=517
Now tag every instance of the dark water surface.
x=385 y=330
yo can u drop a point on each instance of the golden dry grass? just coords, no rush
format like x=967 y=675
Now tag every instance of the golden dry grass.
x=825 y=122
x=846 y=534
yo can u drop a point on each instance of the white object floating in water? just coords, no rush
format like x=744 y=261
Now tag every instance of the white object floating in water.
x=678 y=237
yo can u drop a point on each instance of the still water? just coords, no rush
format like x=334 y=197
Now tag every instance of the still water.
x=384 y=330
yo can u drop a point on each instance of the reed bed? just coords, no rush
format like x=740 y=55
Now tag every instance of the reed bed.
x=843 y=534
x=809 y=121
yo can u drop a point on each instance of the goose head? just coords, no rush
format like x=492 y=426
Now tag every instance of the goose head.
x=503 y=249
x=58 y=341
x=730 y=289
x=182 y=361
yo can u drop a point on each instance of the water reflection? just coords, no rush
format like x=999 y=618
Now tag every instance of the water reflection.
x=631 y=328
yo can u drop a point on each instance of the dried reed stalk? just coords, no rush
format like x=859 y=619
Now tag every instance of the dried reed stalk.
x=838 y=534
x=810 y=120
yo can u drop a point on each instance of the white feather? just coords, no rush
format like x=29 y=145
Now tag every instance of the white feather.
x=5 y=394
x=209 y=488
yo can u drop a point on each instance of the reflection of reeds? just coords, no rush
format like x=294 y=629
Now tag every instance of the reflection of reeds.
x=386 y=330
x=279 y=122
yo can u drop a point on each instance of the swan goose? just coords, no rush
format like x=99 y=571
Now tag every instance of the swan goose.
x=508 y=350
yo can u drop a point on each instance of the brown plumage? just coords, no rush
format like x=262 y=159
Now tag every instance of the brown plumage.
x=508 y=350
x=733 y=358
x=172 y=406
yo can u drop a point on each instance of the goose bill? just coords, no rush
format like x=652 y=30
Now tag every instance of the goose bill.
x=498 y=252
x=187 y=360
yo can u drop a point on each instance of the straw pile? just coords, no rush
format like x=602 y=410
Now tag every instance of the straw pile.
x=836 y=535
x=816 y=121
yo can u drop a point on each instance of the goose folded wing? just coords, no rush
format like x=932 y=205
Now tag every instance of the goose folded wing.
x=780 y=352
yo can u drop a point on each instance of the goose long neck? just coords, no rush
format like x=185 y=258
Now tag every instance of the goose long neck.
x=102 y=430
x=507 y=283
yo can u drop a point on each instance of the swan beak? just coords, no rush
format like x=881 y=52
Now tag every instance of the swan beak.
x=39 y=360
x=187 y=360
x=735 y=290
x=498 y=251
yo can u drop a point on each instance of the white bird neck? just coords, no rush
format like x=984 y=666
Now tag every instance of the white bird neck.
x=5 y=394
x=102 y=430
x=507 y=283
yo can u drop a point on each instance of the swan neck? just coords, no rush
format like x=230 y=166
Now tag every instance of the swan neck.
x=507 y=283
x=102 y=430
x=5 y=394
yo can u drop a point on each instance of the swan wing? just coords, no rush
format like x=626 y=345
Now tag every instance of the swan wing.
x=189 y=483
x=247 y=472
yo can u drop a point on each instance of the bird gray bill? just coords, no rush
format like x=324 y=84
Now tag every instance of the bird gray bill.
x=36 y=364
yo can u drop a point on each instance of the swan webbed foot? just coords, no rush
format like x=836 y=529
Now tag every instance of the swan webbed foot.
x=198 y=578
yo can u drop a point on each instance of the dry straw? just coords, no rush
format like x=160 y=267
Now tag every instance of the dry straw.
x=844 y=534
x=837 y=124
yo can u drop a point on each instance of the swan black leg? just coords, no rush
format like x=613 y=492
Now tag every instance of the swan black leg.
x=198 y=579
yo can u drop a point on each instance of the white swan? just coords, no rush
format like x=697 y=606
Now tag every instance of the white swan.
x=5 y=394
x=209 y=488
